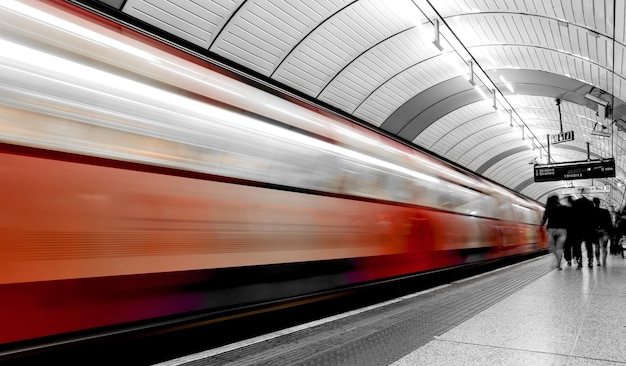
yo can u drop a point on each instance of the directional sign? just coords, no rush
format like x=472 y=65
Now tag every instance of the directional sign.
x=575 y=170
x=562 y=137
x=587 y=190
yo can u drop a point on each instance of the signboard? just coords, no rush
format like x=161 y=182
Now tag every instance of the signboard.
x=562 y=137
x=587 y=190
x=586 y=169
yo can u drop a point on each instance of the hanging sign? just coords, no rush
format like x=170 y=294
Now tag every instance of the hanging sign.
x=587 y=190
x=562 y=137
x=575 y=170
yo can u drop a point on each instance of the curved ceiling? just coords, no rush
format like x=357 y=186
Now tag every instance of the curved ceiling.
x=378 y=62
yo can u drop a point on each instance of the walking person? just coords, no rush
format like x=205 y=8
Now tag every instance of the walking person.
x=573 y=240
x=604 y=230
x=584 y=213
x=619 y=232
x=556 y=216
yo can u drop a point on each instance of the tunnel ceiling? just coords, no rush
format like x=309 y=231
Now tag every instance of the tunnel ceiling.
x=378 y=62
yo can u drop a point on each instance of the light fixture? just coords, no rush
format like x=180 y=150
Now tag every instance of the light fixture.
x=600 y=101
x=495 y=105
x=436 y=37
x=621 y=124
x=511 y=118
x=471 y=72
x=599 y=130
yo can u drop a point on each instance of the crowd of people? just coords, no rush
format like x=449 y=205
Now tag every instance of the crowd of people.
x=581 y=221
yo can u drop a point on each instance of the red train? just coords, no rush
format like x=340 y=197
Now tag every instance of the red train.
x=137 y=182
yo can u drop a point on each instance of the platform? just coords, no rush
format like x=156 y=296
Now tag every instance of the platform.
x=569 y=317
x=525 y=314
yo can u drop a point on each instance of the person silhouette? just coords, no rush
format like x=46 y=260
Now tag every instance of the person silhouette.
x=584 y=211
x=603 y=232
x=556 y=217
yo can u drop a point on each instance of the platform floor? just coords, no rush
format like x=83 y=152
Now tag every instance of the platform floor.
x=570 y=317
x=525 y=314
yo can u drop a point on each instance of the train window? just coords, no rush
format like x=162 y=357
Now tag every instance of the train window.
x=259 y=158
x=297 y=166
x=326 y=173
x=503 y=209
x=464 y=200
x=362 y=180
x=399 y=188
x=422 y=193
x=526 y=215
x=284 y=162
x=488 y=205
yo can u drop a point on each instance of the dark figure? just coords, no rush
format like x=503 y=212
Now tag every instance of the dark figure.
x=584 y=211
x=619 y=232
x=573 y=237
x=603 y=231
x=557 y=217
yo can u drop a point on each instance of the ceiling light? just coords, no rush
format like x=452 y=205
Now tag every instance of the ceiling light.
x=599 y=130
x=436 y=38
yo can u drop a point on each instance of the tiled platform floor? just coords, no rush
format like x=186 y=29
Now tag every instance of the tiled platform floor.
x=570 y=317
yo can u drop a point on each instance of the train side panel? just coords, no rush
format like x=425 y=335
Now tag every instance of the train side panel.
x=83 y=244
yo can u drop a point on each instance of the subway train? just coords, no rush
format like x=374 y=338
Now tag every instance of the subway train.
x=140 y=182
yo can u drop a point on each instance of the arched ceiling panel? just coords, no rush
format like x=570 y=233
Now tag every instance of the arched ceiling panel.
x=262 y=33
x=377 y=66
x=502 y=169
x=596 y=15
x=390 y=97
x=191 y=21
x=466 y=134
x=531 y=58
x=374 y=61
x=495 y=159
x=335 y=43
x=437 y=131
x=417 y=113
x=539 y=31
x=474 y=153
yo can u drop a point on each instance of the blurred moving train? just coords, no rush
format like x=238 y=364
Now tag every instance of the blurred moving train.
x=140 y=182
